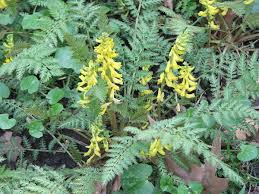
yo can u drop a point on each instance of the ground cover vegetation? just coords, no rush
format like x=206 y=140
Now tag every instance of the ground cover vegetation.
x=129 y=96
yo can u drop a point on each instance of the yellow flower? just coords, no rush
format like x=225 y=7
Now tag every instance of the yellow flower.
x=211 y=11
x=188 y=83
x=3 y=4
x=156 y=147
x=160 y=96
x=88 y=79
x=104 y=108
x=174 y=73
x=248 y=2
x=144 y=81
x=146 y=92
x=8 y=47
x=224 y=11
x=105 y=56
x=94 y=149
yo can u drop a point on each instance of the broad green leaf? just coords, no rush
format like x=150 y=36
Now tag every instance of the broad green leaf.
x=55 y=109
x=5 y=122
x=36 y=128
x=247 y=153
x=55 y=95
x=196 y=187
x=167 y=184
x=65 y=59
x=135 y=179
x=6 y=19
x=4 y=91
x=30 y=83
x=36 y=21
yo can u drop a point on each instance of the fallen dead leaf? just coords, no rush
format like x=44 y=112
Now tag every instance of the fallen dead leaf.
x=116 y=184
x=11 y=145
x=100 y=188
x=241 y=135
x=205 y=174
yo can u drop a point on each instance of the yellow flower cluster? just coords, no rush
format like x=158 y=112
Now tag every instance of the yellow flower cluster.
x=97 y=138
x=105 y=56
x=178 y=77
x=103 y=66
x=211 y=11
x=156 y=147
x=88 y=79
x=3 y=4
x=144 y=81
x=8 y=46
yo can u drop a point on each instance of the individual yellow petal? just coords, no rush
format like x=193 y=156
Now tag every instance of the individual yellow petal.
x=224 y=11
x=213 y=25
x=190 y=95
x=160 y=95
x=203 y=14
x=161 y=78
x=146 y=92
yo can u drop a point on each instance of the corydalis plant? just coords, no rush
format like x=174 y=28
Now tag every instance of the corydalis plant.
x=103 y=67
x=8 y=47
x=176 y=76
x=211 y=11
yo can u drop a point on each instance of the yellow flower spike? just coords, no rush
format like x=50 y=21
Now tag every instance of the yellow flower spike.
x=182 y=82
x=188 y=82
x=93 y=148
x=156 y=147
x=8 y=47
x=88 y=79
x=160 y=96
x=248 y=2
x=105 y=56
x=210 y=12
x=3 y=4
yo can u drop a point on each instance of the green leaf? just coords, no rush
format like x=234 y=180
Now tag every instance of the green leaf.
x=134 y=180
x=36 y=21
x=208 y=120
x=100 y=90
x=55 y=95
x=167 y=184
x=182 y=189
x=196 y=187
x=55 y=109
x=36 y=128
x=65 y=59
x=30 y=83
x=5 y=122
x=247 y=153
x=4 y=91
x=6 y=19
